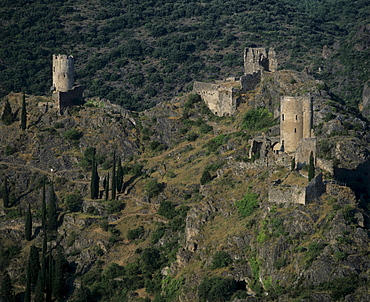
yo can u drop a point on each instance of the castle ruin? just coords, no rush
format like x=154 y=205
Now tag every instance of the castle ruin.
x=222 y=98
x=65 y=94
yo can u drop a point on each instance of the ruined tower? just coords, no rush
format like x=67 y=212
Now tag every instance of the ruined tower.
x=259 y=59
x=295 y=121
x=64 y=93
x=63 y=73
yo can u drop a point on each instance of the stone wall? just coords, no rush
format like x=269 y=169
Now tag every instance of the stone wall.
x=305 y=148
x=297 y=194
x=315 y=188
x=287 y=194
x=221 y=99
x=68 y=98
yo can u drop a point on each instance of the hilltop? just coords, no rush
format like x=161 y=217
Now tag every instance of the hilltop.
x=193 y=220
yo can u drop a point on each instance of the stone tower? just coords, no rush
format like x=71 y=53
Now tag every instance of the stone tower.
x=63 y=73
x=259 y=59
x=295 y=121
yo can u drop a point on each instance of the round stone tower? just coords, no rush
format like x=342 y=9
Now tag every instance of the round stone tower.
x=63 y=72
x=295 y=121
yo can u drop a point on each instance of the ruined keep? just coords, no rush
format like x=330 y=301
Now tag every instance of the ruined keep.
x=257 y=60
x=221 y=98
x=64 y=93
x=295 y=121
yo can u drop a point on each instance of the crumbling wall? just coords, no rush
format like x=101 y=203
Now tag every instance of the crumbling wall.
x=257 y=60
x=221 y=99
x=287 y=194
x=68 y=98
x=315 y=188
x=305 y=148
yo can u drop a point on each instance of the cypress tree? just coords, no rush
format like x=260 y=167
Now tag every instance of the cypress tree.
x=34 y=264
x=94 y=186
x=23 y=113
x=58 y=273
x=114 y=177
x=43 y=206
x=39 y=289
x=6 y=288
x=7 y=116
x=6 y=193
x=27 y=294
x=311 y=168
x=119 y=176
x=106 y=188
x=292 y=164
x=52 y=222
x=49 y=278
x=28 y=225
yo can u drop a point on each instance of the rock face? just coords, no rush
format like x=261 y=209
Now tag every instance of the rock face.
x=365 y=105
x=259 y=59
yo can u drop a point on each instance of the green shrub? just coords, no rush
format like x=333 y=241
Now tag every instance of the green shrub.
x=10 y=150
x=248 y=204
x=191 y=137
x=221 y=259
x=258 y=119
x=135 y=233
x=206 y=177
x=115 y=206
x=205 y=128
x=153 y=188
x=167 y=209
x=213 y=144
x=72 y=134
x=216 y=289
x=73 y=202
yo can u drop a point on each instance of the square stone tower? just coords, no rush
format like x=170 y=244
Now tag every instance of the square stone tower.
x=295 y=121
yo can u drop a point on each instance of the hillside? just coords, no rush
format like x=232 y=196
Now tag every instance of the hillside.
x=137 y=54
x=194 y=218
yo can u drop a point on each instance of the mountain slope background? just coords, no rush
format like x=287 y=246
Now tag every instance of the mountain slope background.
x=138 y=54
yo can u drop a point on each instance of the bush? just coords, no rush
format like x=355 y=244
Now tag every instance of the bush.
x=192 y=137
x=153 y=188
x=221 y=259
x=167 y=209
x=135 y=233
x=205 y=128
x=216 y=289
x=72 y=134
x=115 y=206
x=73 y=202
x=248 y=204
x=258 y=119
x=206 y=177
x=10 y=150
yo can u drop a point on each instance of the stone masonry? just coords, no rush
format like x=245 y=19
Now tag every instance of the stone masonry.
x=65 y=94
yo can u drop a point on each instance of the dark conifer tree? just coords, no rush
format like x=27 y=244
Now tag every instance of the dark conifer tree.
x=311 y=168
x=34 y=264
x=24 y=113
x=27 y=294
x=114 y=177
x=119 y=176
x=39 y=289
x=6 y=194
x=7 y=116
x=43 y=206
x=49 y=278
x=6 y=288
x=28 y=225
x=52 y=213
x=94 y=186
x=58 y=273
x=106 y=188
